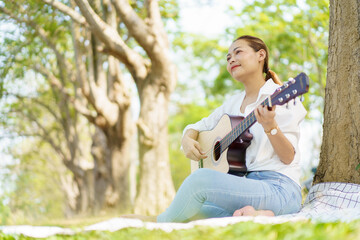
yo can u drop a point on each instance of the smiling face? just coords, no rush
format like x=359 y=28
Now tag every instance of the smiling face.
x=244 y=61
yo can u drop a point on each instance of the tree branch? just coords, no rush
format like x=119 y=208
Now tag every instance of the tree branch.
x=118 y=91
x=40 y=103
x=139 y=30
x=54 y=81
x=80 y=107
x=155 y=21
x=46 y=135
x=150 y=36
x=81 y=72
x=64 y=65
x=75 y=16
x=136 y=64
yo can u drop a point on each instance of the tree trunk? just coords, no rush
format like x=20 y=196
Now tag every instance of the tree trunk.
x=120 y=166
x=155 y=77
x=111 y=152
x=156 y=189
x=340 y=151
x=101 y=171
x=85 y=185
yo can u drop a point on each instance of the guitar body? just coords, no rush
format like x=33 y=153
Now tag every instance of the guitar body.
x=233 y=158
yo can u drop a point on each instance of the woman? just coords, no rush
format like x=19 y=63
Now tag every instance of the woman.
x=272 y=185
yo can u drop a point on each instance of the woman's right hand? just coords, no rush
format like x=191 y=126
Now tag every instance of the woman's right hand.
x=192 y=148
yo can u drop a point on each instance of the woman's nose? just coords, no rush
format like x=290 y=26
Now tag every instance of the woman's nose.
x=231 y=59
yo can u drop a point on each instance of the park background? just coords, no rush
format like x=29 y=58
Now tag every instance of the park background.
x=95 y=94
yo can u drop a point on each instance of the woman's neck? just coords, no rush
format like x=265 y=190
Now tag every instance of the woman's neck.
x=253 y=85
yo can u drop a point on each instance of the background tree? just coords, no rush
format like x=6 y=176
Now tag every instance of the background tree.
x=340 y=150
x=155 y=77
x=87 y=87
x=42 y=112
x=118 y=28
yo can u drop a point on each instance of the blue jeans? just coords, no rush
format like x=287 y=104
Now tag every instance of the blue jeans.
x=208 y=193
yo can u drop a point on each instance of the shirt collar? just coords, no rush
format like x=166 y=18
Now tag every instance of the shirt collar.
x=268 y=88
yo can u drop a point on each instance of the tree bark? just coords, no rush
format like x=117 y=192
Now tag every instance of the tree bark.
x=340 y=150
x=101 y=170
x=109 y=96
x=156 y=189
x=111 y=172
x=155 y=79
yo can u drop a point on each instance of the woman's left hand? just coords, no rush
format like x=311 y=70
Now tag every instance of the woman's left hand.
x=266 y=117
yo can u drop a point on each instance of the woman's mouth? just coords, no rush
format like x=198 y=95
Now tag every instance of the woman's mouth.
x=235 y=66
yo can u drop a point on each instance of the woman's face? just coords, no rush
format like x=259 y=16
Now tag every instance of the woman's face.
x=243 y=61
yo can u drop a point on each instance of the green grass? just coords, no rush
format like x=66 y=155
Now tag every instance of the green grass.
x=243 y=230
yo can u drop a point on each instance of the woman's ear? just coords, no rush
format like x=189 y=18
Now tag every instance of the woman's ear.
x=262 y=54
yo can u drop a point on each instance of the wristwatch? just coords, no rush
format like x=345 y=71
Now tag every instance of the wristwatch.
x=273 y=131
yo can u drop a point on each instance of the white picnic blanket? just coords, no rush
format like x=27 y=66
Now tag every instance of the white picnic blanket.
x=325 y=202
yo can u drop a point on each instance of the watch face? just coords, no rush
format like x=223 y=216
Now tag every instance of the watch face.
x=273 y=131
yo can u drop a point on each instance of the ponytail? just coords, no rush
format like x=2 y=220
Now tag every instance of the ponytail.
x=271 y=74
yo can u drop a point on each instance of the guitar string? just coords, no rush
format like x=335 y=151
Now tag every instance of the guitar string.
x=249 y=120
x=241 y=126
x=246 y=120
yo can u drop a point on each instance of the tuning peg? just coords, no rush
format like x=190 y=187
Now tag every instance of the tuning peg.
x=287 y=105
x=295 y=102
x=292 y=80
x=302 y=98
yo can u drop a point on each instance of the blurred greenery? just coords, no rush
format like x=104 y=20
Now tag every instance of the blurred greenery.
x=297 y=38
x=35 y=194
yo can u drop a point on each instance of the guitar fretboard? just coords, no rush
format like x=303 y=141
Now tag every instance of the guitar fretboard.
x=245 y=124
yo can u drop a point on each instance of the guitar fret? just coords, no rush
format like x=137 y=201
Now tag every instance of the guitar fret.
x=246 y=123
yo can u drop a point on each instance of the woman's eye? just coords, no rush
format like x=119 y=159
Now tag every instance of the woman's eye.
x=238 y=51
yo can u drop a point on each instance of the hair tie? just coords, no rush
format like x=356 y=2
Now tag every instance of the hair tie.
x=267 y=70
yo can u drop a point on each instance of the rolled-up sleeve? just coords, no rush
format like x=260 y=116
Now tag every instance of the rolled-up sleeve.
x=209 y=122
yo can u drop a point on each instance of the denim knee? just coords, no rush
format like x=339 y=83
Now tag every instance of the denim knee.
x=200 y=177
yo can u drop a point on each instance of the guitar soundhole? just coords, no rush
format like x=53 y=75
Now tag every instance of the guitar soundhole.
x=217 y=151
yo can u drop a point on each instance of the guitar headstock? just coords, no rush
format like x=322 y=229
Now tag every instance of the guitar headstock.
x=291 y=89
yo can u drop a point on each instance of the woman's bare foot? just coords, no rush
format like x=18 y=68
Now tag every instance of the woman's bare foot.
x=141 y=217
x=250 y=211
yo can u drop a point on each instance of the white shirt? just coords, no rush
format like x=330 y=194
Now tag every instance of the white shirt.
x=260 y=155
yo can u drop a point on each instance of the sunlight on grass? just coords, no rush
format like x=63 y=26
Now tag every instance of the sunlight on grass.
x=245 y=230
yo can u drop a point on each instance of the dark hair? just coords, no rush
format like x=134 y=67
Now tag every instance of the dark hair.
x=257 y=44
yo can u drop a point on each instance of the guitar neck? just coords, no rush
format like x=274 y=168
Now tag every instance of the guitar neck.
x=282 y=95
x=244 y=125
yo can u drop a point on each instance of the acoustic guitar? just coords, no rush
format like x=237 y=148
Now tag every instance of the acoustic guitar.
x=225 y=145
